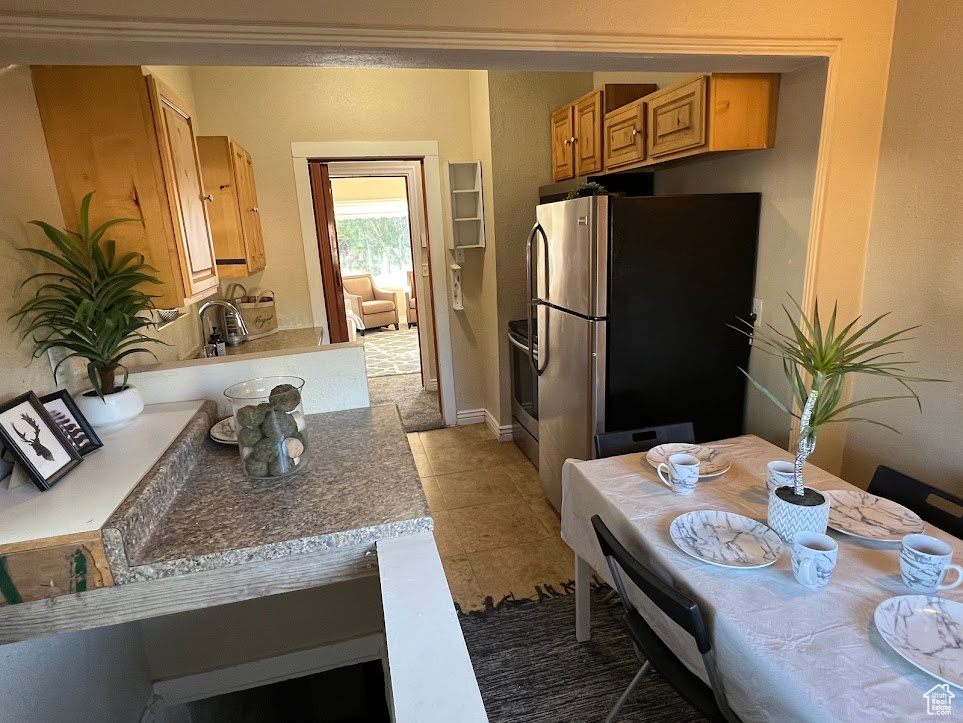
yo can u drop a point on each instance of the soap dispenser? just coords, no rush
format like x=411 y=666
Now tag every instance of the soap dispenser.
x=216 y=341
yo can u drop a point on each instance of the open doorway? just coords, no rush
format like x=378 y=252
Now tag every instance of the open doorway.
x=375 y=254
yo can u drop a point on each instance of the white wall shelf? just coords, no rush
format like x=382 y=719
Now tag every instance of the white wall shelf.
x=466 y=205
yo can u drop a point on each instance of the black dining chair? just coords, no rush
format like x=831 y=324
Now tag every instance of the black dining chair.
x=945 y=512
x=709 y=700
x=612 y=444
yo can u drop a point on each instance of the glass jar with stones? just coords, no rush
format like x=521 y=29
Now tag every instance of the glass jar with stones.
x=269 y=418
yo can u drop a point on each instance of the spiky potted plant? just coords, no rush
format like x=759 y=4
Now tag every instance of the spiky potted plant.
x=93 y=307
x=816 y=361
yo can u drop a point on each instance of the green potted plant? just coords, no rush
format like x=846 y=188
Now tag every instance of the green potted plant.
x=92 y=306
x=816 y=361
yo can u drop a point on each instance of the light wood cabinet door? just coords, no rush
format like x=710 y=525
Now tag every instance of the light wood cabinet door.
x=250 y=212
x=188 y=200
x=676 y=118
x=588 y=133
x=107 y=130
x=563 y=136
x=624 y=135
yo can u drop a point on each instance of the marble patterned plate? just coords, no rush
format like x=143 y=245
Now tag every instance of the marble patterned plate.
x=927 y=630
x=869 y=517
x=712 y=462
x=725 y=539
x=224 y=432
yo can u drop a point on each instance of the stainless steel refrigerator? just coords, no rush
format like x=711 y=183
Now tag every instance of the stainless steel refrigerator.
x=632 y=297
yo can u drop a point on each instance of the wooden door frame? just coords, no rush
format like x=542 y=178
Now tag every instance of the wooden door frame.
x=427 y=152
x=412 y=170
x=330 y=258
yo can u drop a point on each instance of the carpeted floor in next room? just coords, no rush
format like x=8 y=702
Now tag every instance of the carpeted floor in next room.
x=418 y=406
x=389 y=351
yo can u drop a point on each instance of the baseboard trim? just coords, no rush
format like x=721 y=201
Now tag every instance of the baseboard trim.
x=187 y=688
x=470 y=416
x=503 y=432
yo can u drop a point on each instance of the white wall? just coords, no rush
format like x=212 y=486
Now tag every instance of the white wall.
x=521 y=106
x=785 y=175
x=89 y=677
x=266 y=109
x=915 y=263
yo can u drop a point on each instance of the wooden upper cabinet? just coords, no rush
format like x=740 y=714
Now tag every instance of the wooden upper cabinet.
x=130 y=140
x=185 y=190
x=713 y=113
x=624 y=139
x=588 y=133
x=563 y=137
x=578 y=142
x=235 y=217
x=677 y=118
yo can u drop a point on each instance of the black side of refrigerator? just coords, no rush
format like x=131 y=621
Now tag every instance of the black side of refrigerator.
x=681 y=269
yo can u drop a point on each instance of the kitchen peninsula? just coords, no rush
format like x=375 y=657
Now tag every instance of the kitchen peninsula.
x=194 y=532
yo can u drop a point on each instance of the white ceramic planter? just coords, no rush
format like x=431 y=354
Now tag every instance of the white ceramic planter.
x=787 y=518
x=114 y=411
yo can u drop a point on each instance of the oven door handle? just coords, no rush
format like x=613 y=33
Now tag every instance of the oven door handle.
x=518 y=344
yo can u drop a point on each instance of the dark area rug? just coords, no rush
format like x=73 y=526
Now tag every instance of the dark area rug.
x=418 y=407
x=530 y=668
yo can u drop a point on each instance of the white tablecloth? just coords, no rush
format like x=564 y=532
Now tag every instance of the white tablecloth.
x=785 y=653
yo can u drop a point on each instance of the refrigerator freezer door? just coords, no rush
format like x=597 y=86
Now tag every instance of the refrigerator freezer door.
x=571 y=394
x=570 y=261
x=682 y=270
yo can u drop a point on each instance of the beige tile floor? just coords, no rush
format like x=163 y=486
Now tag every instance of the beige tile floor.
x=495 y=531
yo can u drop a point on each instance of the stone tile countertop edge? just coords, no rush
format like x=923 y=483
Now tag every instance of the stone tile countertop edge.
x=132 y=524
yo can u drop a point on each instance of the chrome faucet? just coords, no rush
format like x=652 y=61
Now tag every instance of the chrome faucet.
x=229 y=310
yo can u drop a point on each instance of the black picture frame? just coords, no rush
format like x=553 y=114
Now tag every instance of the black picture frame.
x=45 y=465
x=84 y=439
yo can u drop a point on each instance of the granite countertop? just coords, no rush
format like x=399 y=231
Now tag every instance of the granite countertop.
x=283 y=339
x=197 y=510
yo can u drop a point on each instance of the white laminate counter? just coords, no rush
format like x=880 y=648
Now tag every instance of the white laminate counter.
x=83 y=500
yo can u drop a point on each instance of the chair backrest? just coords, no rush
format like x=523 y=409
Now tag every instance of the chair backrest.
x=939 y=508
x=681 y=609
x=611 y=444
x=360 y=285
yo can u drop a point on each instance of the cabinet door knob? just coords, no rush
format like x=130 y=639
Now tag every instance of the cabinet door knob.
x=567 y=142
x=209 y=197
x=573 y=140
x=255 y=209
x=635 y=132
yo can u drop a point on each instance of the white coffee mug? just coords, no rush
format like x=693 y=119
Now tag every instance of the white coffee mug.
x=780 y=474
x=924 y=562
x=683 y=470
x=813 y=559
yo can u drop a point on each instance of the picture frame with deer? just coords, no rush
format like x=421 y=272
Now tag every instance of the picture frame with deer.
x=71 y=421
x=35 y=440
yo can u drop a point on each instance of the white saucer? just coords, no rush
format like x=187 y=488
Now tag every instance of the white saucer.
x=224 y=432
x=712 y=462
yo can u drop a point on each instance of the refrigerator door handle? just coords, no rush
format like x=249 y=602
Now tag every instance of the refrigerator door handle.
x=541 y=232
x=539 y=364
x=530 y=271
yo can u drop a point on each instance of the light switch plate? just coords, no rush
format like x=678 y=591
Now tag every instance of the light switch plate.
x=460 y=255
x=424 y=269
x=757 y=310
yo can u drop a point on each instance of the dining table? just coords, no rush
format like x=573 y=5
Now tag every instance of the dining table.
x=784 y=652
